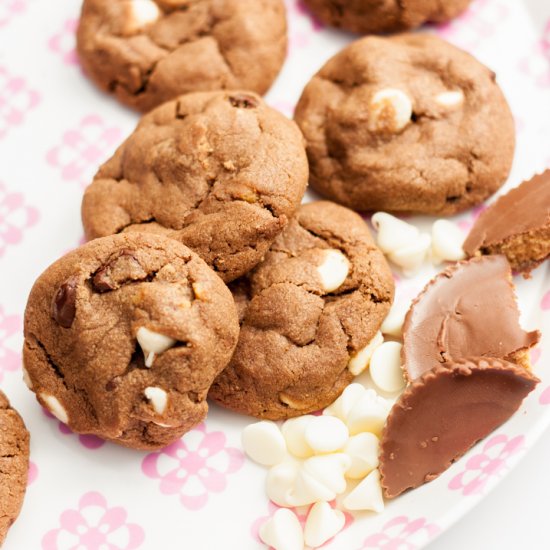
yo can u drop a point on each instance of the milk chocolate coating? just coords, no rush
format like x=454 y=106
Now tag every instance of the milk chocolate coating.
x=517 y=225
x=468 y=310
x=442 y=414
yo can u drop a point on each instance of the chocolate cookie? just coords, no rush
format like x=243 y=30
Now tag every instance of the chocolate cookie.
x=406 y=124
x=444 y=413
x=307 y=311
x=147 y=52
x=469 y=309
x=125 y=335
x=373 y=16
x=219 y=171
x=516 y=225
x=14 y=465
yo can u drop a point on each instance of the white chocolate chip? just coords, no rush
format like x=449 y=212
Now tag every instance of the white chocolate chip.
x=368 y=414
x=367 y=495
x=360 y=360
x=26 y=378
x=323 y=522
x=326 y=434
x=281 y=481
x=385 y=367
x=363 y=451
x=294 y=433
x=308 y=490
x=393 y=233
x=141 y=13
x=393 y=323
x=411 y=257
x=283 y=531
x=199 y=290
x=447 y=241
x=162 y=425
x=55 y=407
x=152 y=343
x=264 y=443
x=343 y=405
x=390 y=110
x=452 y=99
x=333 y=269
x=158 y=398
x=329 y=470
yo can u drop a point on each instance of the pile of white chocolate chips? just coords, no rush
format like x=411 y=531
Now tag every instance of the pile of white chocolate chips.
x=329 y=462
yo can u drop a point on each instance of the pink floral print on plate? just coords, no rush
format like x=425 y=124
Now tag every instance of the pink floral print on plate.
x=83 y=148
x=16 y=217
x=93 y=525
x=10 y=328
x=17 y=98
x=491 y=462
x=33 y=473
x=63 y=42
x=477 y=24
x=194 y=466
x=88 y=441
x=9 y=9
x=402 y=533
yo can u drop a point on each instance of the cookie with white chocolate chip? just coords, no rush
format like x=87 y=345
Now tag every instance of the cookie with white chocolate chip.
x=146 y=52
x=219 y=171
x=14 y=465
x=308 y=312
x=124 y=336
x=407 y=123
x=374 y=16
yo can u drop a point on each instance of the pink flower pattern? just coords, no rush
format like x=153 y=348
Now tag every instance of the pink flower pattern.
x=83 y=149
x=402 y=533
x=194 y=466
x=64 y=42
x=10 y=328
x=480 y=21
x=545 y=397
x=491 y=462
x=16 y=100
x=33 y=473
x=15 y=217
x=94 y=526
x=301 y=513
x=302 y=25
x=9 y=9
x=88 y=441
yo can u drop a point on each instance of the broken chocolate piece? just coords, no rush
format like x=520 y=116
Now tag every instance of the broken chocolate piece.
x=442 y=414
x=516 y=225
x=120 y=270
x=467 y=310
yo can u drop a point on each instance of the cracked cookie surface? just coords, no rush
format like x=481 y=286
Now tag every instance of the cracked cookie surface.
x=406 y=124
x=14 y=465
x=124 y=336
x=317 y=300
x=219 y=171
x=374 y=16
x=147 y=52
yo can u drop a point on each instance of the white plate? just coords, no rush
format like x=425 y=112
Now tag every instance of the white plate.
x=55 y=129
